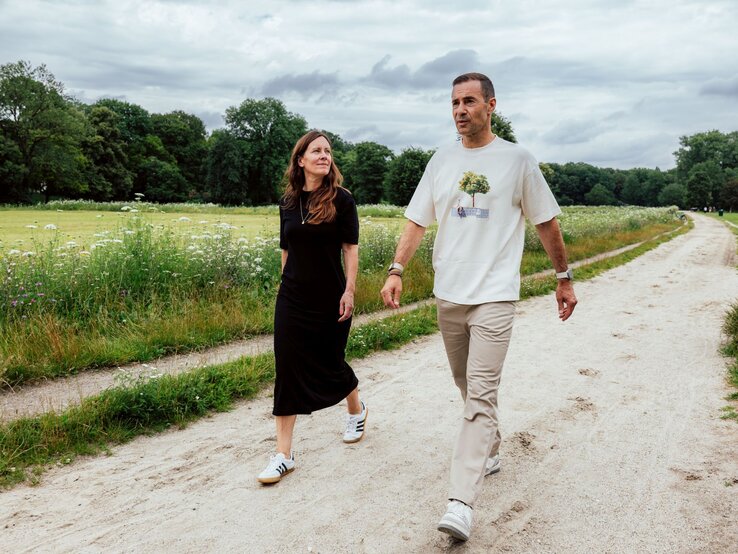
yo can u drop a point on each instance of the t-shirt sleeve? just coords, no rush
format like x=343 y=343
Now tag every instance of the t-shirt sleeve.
x=538 y=202
x=348 y=218
x=421 y=209
x=282 y=239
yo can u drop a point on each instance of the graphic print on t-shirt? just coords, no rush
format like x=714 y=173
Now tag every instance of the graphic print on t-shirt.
x=472 y=184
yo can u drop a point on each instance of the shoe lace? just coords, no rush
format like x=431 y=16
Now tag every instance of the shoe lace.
x=460 y=510
x=351 y=422
x=274 y=462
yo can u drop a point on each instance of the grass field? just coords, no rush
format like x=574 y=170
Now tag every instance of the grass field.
x=152 y=284
x=732 y=217
x=32 y=229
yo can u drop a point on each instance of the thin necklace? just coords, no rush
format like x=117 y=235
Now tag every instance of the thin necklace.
x=304 y=219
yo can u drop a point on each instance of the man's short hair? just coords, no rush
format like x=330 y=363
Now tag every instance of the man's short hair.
x=488 y=89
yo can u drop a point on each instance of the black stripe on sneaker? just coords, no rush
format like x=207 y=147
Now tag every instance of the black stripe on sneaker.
x=281 y=469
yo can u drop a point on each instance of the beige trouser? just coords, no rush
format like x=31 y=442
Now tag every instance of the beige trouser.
x=476 y=339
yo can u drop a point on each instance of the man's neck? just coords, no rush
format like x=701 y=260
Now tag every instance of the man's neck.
x=477 y=141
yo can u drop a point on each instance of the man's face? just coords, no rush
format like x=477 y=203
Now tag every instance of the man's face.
x=471 y=113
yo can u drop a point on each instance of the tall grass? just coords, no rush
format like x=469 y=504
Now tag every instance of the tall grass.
x=730 y=328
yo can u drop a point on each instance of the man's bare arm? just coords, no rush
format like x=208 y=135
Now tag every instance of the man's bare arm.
x=411 y=237
x=550 y=235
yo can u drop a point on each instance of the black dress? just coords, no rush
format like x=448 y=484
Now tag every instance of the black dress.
x=309 y=343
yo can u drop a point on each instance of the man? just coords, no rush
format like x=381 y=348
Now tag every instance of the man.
x=479 y=191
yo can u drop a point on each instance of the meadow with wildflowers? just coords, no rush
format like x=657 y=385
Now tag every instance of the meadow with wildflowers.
x=149 y=286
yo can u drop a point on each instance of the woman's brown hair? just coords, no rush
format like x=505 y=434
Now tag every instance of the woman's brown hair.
x=321 y=207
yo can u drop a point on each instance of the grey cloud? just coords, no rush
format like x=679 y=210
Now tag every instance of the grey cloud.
x=360 y=134
x=573 y=132
x=441 y=71
x=521 y=73
x=642 y=151
x=433 y=74
x=721 y=87
x=305 y=84
x=392 y=78
x=212 y=120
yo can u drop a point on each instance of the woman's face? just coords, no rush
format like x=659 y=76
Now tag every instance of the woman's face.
x=316 y=161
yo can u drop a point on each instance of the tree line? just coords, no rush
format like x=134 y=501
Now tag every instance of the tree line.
x=53 y=146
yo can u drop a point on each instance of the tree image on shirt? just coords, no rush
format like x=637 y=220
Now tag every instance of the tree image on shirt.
x=472 y=183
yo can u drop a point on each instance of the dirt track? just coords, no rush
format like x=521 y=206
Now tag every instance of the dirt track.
x=612 y=442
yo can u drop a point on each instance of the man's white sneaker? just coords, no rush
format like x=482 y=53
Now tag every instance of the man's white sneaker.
x=278 y=467
x=493 y=465
x=355 y=426
x=457 y=520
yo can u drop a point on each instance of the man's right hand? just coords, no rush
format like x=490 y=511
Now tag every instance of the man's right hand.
x=391 y=291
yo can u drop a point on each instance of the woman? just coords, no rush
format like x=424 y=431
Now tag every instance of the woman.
x=318 y=222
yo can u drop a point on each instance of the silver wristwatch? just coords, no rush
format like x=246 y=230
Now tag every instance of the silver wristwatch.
x=395 y=268
x=568 y=274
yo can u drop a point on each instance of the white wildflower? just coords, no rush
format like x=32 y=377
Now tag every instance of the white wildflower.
x=50 y=227
x=31 y=226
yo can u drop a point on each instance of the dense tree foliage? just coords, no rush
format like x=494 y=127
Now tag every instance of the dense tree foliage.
x=729 y=194
x=54 y=146
x=41 y=132
x=267 y=133
x=502 y=127
x=366 y=170
x=705 y=163
x=226 y=170
x=108 y=175
x=404 y=173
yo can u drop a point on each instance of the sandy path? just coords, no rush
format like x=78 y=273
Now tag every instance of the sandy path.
x=612 y=442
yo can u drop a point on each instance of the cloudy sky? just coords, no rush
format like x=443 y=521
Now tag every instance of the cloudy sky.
x=612 y=83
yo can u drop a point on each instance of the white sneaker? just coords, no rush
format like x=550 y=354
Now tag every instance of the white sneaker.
x=355 y=426
x=493 y=465
x=457 y=520
x=278 y=467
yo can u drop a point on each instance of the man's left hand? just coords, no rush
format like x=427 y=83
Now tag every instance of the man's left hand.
x=565 y=298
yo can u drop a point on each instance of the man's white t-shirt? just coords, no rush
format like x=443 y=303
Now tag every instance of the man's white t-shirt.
x=479 y=244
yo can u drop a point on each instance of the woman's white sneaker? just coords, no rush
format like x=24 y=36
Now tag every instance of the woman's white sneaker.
x=457 y=520
x=278 y=467
x=355 y=426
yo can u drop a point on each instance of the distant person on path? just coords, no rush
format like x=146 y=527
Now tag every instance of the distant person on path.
x=312 y=318
x=479 y=192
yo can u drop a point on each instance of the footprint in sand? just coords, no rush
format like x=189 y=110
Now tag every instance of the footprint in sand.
x=589 y=372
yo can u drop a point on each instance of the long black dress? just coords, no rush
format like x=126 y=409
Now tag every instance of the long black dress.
x=309 y=343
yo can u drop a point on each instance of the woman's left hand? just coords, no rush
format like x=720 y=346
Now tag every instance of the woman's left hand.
x=346 y=306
